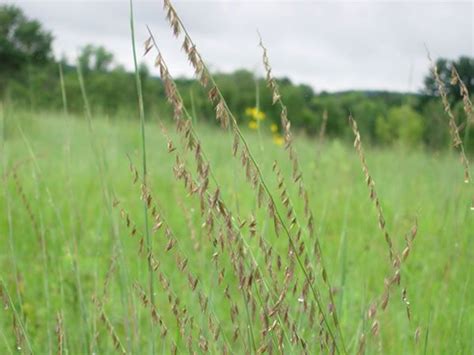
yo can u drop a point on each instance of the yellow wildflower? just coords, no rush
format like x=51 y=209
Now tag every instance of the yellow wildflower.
x=253 y=125
x=259 y=115
x=278 y=140
x=255 y=113
x=274 y=128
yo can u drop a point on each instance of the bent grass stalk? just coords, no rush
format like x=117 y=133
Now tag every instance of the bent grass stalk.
x=17 y=318
x=396 y=259
x=175 y=98
x=467 y=106
x=179 y=107
x=299 y=179
x=224 y=115
x=453 y=128
x=161 y=223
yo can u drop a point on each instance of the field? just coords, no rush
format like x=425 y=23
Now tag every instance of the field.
x=73 y=248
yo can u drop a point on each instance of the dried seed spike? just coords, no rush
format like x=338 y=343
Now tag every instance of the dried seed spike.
x=371 y=185
x=148 y=45
x=453 y=128
x=407 y=303
x=213 y=94
x=385 y=299
x=115 y=202
x=372 y=311
x=361 y=349
x=417 y=334
x=170 y=244
x=186 y=44
x=405 y=253
x=59 y=333
x=171 y=147
x=375 y=328
x=110 y=328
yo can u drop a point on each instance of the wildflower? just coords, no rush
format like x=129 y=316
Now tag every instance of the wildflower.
x=274 y=128
x=278 y=140
x=253 y=125
x=259 y=115
x=255 y=113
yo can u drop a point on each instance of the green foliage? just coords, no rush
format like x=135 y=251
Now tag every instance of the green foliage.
x=110 y=88
x=402 y=125
x=95 y=58
x=67 y=199
x=29 y=77
x=22 y=41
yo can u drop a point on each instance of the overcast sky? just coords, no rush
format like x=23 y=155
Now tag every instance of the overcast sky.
x=330 y=45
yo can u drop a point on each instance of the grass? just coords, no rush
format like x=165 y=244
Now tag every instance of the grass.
x=409 y=183
x=241 y=246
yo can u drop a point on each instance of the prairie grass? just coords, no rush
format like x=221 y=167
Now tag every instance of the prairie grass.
x=170 y=236
x=437 y=274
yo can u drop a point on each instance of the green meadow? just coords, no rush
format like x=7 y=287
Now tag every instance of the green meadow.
x=75 y=276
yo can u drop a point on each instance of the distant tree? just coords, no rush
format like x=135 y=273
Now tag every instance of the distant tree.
x=402 y=124
x=464 y=66
x=95 y=58
x=22 y=41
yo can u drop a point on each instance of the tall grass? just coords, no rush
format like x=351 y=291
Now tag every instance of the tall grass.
x=222 y=246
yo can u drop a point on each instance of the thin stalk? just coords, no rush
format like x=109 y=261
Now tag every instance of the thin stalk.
x=63 y=88
x=462 y=308
x=30 y=86
x=68 y=180
x=193 y=106
x=16 y=315
x=467 y=132
x=425 y=346
x=9 y=212
x=44 y=251
x=257 y=105
x=55 y=208
x=142 y=128
x=5 y=340
x=107 y=191
x=343 y=258
x=63 y=303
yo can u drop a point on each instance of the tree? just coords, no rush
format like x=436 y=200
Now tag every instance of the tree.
x=95 y=58
x=22 y=41
x=402 y=125
x=464 y=66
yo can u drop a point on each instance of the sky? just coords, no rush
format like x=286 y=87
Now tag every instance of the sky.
x=329 y=45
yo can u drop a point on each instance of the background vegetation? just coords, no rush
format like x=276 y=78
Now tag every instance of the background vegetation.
x=29 y=77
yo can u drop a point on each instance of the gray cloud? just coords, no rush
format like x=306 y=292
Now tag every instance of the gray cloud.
x=329 y=45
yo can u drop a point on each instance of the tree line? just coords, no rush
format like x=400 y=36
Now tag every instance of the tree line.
x=30 y=77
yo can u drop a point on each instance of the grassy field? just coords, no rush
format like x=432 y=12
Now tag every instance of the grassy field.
x=73 y=278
